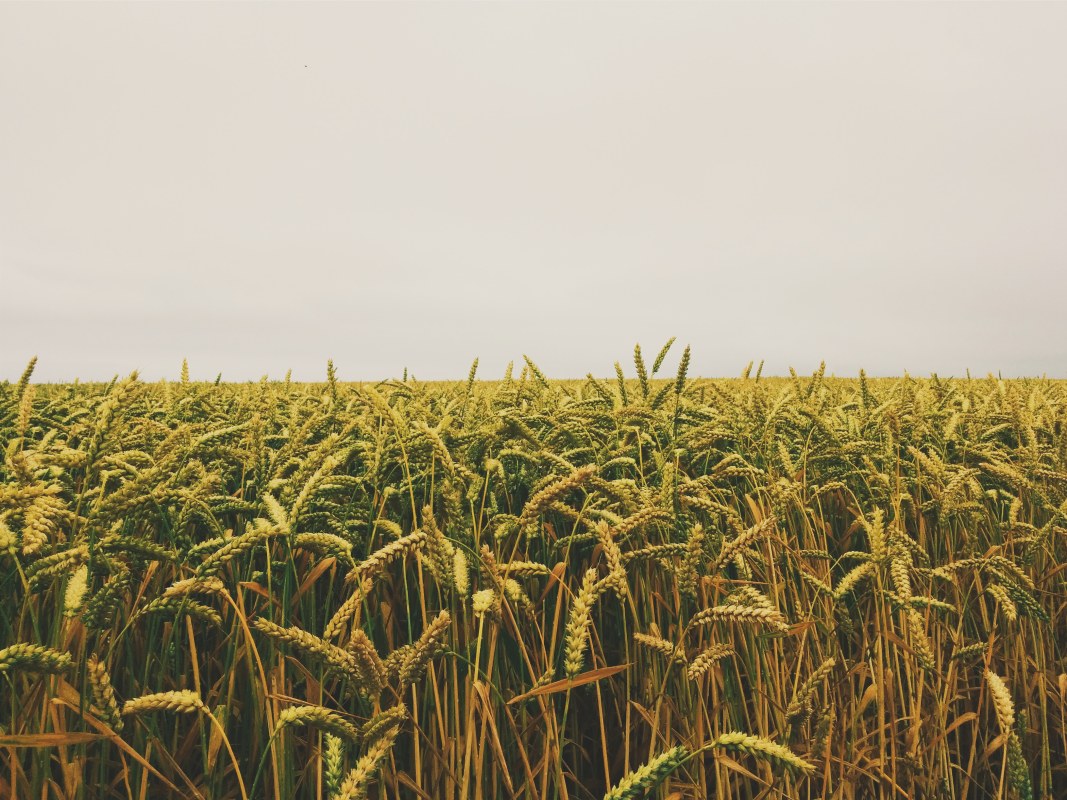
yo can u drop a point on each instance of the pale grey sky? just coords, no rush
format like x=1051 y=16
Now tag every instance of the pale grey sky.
x=264 y=186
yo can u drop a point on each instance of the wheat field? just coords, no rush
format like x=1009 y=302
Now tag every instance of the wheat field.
x=646 y=586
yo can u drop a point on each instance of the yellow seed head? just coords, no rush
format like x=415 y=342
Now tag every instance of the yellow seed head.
x=103 y=693
x=578 y=625
x=763 y=748
x=182 y=702
x=461 y=571
x=76 y=588
x=318 y=717
x=1001 y=700
x=484 y=601
x=33 y=658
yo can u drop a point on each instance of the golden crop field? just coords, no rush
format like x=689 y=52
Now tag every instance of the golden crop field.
x=653 y=586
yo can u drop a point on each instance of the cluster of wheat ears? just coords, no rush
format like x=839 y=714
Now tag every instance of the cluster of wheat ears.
x=675 y=588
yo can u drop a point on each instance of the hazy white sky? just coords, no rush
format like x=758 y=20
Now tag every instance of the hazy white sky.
x=264 y=186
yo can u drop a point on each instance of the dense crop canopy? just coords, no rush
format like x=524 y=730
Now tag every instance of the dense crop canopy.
x=533 y=588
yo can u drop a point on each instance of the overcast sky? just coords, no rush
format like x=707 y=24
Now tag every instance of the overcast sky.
x=258 y=187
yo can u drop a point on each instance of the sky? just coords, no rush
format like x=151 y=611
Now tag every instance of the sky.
x=258 y=187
